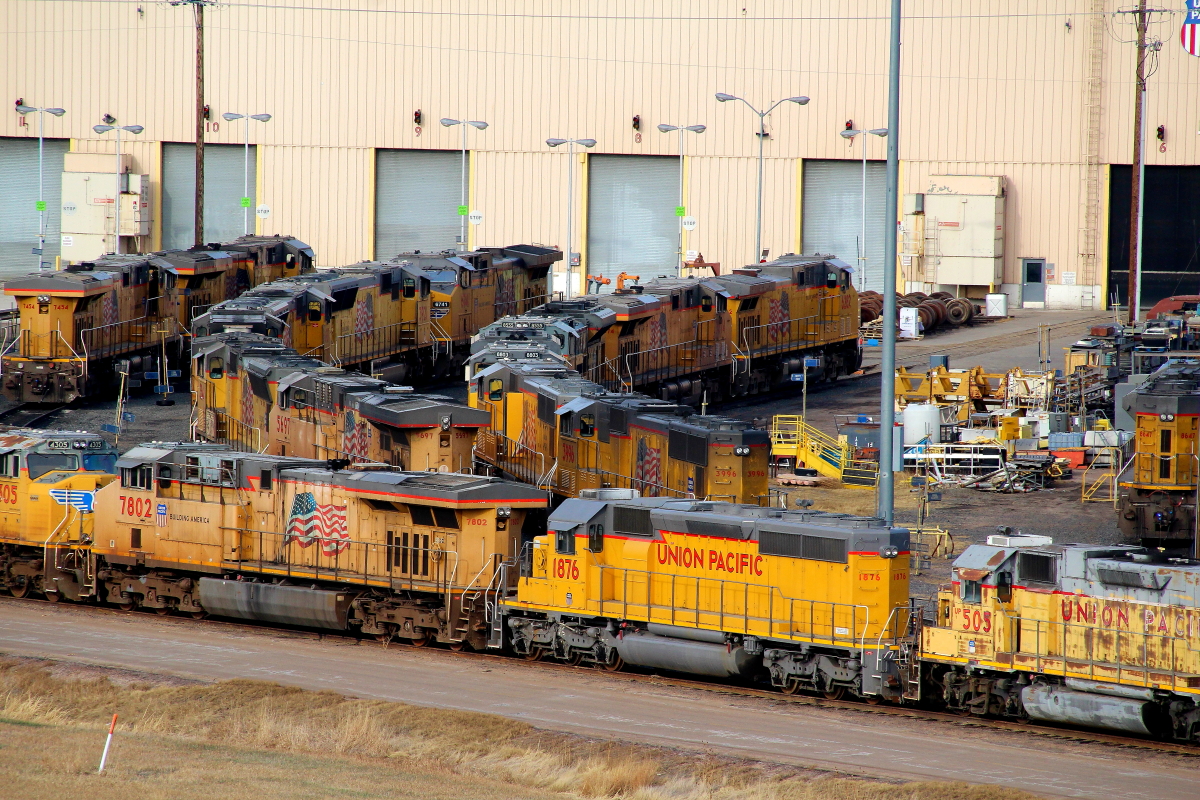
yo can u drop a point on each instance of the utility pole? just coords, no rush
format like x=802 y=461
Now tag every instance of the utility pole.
x=198 y=8
x=887 y=373
x=1135 y=205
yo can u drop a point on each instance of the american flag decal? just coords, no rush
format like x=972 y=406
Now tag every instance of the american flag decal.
x=247 y=402
x=647 y=472
x=311 y=521
x=779 y=316
x=355 y=436
x=364 y=315
x=109 y=310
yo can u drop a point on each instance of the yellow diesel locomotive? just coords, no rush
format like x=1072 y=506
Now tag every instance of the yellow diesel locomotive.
x=250 y=392
x=202 y=529
x=817 y=601
x=688 y=339
x=552 y=428
x=1104 y=637
x=408 y=319
x=78 y=323
x=1156 y=504
x=48 y=480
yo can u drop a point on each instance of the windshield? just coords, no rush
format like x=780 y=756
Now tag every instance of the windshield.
x=41 y=463
x=101 y=462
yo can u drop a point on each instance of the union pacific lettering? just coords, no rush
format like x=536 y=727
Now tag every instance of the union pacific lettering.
x=708 y=559
x=1165 y=622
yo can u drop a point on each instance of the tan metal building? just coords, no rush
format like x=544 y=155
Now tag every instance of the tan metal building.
x=1038 y=94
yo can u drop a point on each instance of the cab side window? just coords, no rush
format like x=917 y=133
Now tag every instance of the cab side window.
x=564 y=542
x=972 y=591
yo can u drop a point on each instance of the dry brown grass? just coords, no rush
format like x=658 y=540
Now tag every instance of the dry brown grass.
x=255 y=739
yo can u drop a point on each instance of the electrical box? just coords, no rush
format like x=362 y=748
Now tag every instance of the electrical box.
x=89 y=209
x=964 y=230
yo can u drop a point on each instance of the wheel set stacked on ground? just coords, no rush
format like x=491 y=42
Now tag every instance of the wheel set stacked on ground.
x=934 y=310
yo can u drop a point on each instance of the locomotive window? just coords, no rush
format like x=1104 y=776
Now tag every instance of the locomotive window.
x=843 y=279
x=596 y=538
x=1164 y=440
x=16 y=466
x=587 y=424
x=41 y=463
x=564 y=423
x=385 y=440
x=1164 y=467
x=972 y=592
x=496 y=389
x=674 y=301
x=1004 y=587
x=722 y=303
x=421 y=515
x=748 y=304
x=216 y=367
x=100 y=462
x=831 y=280
x=264 y=480
x=565 y=542
x=706 y=304
x=314 y=311
x=445 y=517
x=799 y=277
x=410 y=287
x=1037 y=568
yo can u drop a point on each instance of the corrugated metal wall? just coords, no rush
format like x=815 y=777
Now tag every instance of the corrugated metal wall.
x=417 y=194
x=999 y=86
x=632 y=225
x=19 y=216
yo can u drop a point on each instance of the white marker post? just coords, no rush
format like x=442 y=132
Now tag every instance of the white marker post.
x=107 y=743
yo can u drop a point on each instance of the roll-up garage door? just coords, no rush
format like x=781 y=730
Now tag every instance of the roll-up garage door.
x=18 y=202
x=224 y=176
x=416 y=201
x=833 y=215
x=632 y=225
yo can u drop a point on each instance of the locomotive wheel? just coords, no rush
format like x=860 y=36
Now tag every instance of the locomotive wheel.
x=792 y=687
x=128 y=605
x=615 y=665
x=53 y=597
x=874 y=699
x=836 y=693
x=164 y=611
x=199 y=614
x=419 y=641
x=458 y=646
x=535 y=654
x=19 y=589
x=574 y=660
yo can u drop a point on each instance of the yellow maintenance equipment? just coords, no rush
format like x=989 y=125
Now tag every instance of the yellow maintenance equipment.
x=795 y=440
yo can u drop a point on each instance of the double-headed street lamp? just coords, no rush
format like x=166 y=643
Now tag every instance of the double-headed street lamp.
x=762 y=134
x=682 y=209
x=570 y=143
x=23 y=109
x=135 y=129
x=462 y=203
x=849 y=134
x=246 y=203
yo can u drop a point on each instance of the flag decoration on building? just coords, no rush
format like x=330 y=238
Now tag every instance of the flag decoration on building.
x=311 y=521
x=364 y=315
x=647 y=474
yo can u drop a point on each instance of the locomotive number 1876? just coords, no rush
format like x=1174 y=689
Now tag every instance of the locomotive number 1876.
x=566 y=568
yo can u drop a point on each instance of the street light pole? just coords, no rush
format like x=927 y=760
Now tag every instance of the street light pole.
x=850 y=133
x=462 y=203
x=682 y=210
x=246 y=203
x=887 y=398
x=135 y=129
x=23 y=109
x=570 y=143
x=762 y=133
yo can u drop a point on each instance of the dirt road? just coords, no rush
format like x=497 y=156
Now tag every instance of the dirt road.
x=592 y=703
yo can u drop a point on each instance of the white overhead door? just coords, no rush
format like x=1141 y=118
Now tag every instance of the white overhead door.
x=224 y=182
x=833 y=213
x=417 y=193
x=18 y=202
x=632 y=225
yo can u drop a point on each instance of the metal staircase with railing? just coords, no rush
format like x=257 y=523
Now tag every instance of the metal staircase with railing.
x=793 y=438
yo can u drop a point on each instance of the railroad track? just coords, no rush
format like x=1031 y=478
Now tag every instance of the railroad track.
x=771 y=697
x=27 y=415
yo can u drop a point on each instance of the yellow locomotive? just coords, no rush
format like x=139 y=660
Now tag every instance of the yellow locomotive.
x=554 y=429
x=687 y=339
x=1156 y=503
x=818 y=601
x=204 y=530
x=48 y=480
x=410 y=318
x=250 y=392
x=78 y=323
x=1105 y=637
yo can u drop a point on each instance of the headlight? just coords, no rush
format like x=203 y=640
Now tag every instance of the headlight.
x=504 y=512
x=43 y=298
x=889 y=552
x=741 y=450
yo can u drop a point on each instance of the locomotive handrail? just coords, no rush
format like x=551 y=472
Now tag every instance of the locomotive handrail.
x=9 y=347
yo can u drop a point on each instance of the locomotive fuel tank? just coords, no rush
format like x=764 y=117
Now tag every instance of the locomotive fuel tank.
x=1050 y=703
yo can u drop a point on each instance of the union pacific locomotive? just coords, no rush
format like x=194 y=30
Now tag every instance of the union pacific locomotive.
x=250 y=392
x=685 y=339
x=1156 y=504
x=552 y=428
x=410 y=318
x=77 y=324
